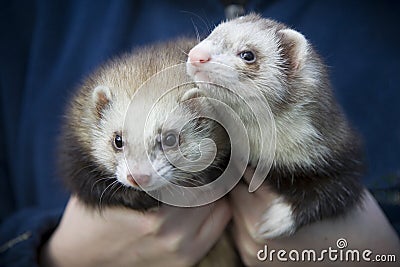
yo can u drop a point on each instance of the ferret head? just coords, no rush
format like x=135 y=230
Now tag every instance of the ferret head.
x=149 y=151
x=151 y=129
x=110 y=151
x=253 y=52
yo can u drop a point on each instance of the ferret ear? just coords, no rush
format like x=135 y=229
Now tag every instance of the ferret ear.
x=295 y=47
x=101 y=98
x=193 y=93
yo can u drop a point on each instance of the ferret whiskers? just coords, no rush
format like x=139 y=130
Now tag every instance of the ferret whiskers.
x=206 y=24
x=102 y=194
x=101 y=179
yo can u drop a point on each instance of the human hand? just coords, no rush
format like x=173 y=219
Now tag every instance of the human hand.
x=363 y=228
x=170 y=236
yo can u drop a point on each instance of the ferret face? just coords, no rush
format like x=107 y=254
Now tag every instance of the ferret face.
x=151 y=157
x=249 y=52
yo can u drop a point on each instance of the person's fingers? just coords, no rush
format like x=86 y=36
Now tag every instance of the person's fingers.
x=220 y=215
x=191 y=232
x=176 y=218
x=244 y=242
x=211 y=229
x=248 y=207
x=253 y=208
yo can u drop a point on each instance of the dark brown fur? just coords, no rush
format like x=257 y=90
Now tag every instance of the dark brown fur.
x=333 y=185
x=83 y=174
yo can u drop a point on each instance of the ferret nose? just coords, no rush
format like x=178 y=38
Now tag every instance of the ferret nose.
x=198 y=56
x=139 y=179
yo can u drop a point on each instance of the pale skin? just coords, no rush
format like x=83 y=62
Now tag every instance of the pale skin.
x=119 y=237
x=363 y=228
x=173 y=236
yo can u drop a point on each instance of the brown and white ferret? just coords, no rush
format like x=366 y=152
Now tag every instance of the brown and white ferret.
x=317 y=163
x=101 y=157
x=113 y=145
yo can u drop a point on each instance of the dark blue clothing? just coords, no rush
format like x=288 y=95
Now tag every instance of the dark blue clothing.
x=47 y=47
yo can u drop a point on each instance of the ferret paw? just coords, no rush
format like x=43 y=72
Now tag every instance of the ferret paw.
x=277 y=221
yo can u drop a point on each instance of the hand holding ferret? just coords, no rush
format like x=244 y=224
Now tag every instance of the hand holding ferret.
x=169 y=236
x=358 y=227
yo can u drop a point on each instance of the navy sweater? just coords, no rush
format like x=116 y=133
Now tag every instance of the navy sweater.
x=47 y=47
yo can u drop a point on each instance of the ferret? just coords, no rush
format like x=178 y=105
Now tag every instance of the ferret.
x=101 y=160
x=317 y=164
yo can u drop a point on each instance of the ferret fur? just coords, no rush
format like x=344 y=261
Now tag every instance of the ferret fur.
x=318 y=161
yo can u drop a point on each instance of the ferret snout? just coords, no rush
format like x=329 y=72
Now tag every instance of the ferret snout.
x=198 y=56
x=139 y=179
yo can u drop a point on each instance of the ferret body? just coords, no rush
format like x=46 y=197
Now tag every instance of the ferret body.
x=100 y=159
x=317 y=164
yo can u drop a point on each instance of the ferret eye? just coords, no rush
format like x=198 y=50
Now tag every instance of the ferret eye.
x=248 y=56
x=118 y=142
x=170 y=139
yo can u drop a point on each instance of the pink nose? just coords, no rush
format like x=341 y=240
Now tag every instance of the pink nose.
x=139 y=179
x=198 y=56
